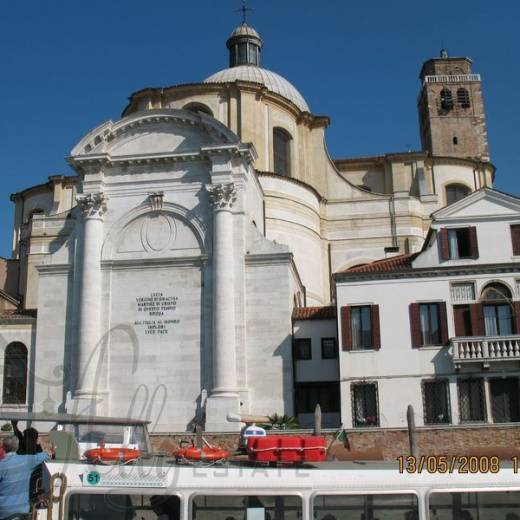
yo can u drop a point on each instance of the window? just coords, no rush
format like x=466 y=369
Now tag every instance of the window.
x=329 y=348
x=368 y=507
x=360 y=327
x=436 y=402
x=458 y=240
x=302 y=348
x=458 y=243
x=308 y=395
x=463 y=98
x=455 y=140
x=238 y=507
x=482 y=505
x=504 y=394
x=472 y=401
x=121 y=506
x=446 y=99
x=428 y=324
x=497 y=310
x=198 y=107
x=282 y=152
x=364 y=405
x=15 y=374
x=515 y=239
x=462 y=291
x=455 y=192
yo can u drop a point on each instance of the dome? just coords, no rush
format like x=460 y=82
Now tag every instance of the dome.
x=272 y=81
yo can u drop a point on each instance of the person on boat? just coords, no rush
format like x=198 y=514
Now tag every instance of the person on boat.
x=28 y=441
x=15 y=475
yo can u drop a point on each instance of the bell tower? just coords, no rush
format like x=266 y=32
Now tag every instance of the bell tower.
x=451 y=109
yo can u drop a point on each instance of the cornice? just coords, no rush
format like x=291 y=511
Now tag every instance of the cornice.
x=156 y=263
x=53 y=269
x=429 y=272
x=269 y=258
x=204 y=154
x=313 y=121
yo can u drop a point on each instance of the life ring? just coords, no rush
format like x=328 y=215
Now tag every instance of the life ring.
x=205 y=454
x=112 y=455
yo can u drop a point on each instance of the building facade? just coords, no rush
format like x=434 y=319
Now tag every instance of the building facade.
x=170 y=272
x=439 y=329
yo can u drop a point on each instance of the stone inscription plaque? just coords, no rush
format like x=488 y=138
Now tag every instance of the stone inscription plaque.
x=156 y=313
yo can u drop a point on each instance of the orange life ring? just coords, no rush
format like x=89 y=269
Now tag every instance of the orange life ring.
x=205 y=454
x=103 y=454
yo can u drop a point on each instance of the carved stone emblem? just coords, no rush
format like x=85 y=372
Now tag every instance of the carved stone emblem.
x=92 y=204
x=222 y=196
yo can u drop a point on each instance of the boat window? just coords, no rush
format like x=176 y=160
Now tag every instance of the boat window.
x=123 y=507
x=92 y=434
x=246 y=507
x=366 y=507
x=482 y=505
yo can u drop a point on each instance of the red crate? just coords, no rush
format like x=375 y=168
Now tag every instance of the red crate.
x=286 y=449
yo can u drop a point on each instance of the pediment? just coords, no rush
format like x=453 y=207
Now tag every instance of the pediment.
x=485 y=203
x=155 y=132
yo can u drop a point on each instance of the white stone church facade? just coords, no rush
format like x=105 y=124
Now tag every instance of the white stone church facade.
x=161 y=278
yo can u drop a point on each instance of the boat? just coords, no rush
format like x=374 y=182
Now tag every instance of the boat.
x=411 y=488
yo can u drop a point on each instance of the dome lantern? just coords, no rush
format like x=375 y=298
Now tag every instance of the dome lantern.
x=244 y=46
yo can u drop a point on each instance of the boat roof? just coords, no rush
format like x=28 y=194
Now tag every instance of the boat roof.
x=66 y=418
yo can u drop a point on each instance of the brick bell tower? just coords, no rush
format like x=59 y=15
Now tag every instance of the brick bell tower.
x=451 y=109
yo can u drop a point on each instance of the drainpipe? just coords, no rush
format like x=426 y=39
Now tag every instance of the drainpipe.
x=393 y=227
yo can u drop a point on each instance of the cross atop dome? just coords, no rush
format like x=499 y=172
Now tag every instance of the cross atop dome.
x=244 y=10
x=245 y=43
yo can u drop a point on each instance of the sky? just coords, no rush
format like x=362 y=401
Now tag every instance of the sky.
x=69 y=65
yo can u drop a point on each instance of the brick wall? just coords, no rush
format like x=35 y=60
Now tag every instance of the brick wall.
x=388 y=444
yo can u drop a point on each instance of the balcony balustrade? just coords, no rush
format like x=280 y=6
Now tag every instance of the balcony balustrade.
x=485 y=349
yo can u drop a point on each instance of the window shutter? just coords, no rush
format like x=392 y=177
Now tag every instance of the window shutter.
x=473 y=243
x=346 y=335
x=415 y=324
x=443 y=319
x=445 y=248
x=515 y=238
x=516 y=308
x=477 y=319
x=376 y=331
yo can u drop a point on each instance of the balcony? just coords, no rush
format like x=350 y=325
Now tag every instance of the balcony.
x=452 y=78
x=484 y=349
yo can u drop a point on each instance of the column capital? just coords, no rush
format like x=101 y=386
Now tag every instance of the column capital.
x=92 y=205
x=222 y=196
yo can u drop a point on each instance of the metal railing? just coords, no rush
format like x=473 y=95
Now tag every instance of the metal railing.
x=451 y=78
x=485 y=348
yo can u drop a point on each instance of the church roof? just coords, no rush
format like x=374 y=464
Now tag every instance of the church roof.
x=272 y=81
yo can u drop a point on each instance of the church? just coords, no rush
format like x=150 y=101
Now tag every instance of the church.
x=168 y=277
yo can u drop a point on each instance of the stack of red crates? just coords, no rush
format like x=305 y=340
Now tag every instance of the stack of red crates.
x=287 y=449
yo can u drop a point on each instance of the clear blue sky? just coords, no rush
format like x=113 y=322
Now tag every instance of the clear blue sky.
x=68 y=65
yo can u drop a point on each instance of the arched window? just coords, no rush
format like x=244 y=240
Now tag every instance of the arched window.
x=198 y=107
x=15 y=374
x=463 y=98
x=446 y=99
x=455 y=192
x=497 y=309
x=282 y=152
